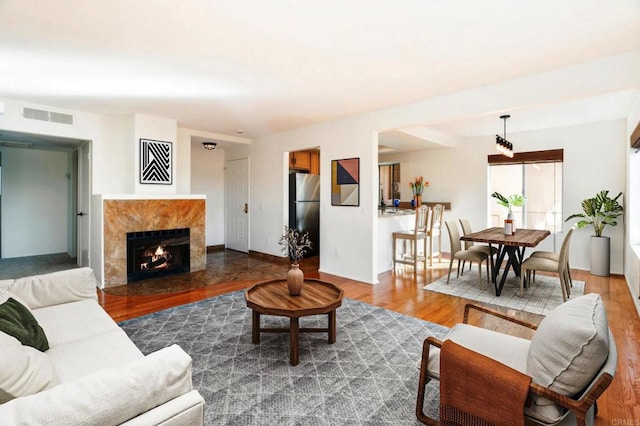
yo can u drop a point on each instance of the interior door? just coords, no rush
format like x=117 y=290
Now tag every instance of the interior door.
x=84 y=201
x=237 y=205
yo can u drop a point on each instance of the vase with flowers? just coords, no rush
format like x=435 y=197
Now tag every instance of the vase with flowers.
x=417 y=186
x=295 y=243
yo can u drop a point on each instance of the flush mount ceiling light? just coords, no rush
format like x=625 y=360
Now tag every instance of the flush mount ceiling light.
x=503 y=146
x=209 y=145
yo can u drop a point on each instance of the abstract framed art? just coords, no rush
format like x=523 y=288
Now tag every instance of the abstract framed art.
x=155 y=162
x=345 y=182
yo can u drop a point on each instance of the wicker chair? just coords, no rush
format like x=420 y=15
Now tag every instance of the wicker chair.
x=564 y=386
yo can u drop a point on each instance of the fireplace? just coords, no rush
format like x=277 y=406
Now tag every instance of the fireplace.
x=152 y=254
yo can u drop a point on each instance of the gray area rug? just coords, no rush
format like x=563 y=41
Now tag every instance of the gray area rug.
x=368 y=377
x=541 y=298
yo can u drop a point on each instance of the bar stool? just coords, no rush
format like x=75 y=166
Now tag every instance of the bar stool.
x=419 y=233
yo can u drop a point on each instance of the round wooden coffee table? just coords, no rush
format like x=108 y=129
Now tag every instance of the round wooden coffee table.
x=272 y=298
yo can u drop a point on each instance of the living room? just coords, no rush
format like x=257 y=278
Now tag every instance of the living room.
x=595 y=140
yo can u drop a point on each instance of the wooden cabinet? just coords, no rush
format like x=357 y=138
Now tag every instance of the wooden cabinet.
x=308 y=161
x=315 y=163
x=300 y=160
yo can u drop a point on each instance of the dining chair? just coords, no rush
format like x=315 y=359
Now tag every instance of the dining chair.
x=561 y=267
x=413 y=237
x=464 y=255
x=434 y=229
x=470 y=245
x=552 y=256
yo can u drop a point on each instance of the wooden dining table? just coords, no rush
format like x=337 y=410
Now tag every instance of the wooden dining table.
x=511 y=246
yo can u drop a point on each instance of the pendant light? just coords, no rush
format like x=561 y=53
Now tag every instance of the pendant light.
x=503 y=146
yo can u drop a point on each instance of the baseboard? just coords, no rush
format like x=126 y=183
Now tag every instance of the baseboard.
x=269 y=257
x=219 y=247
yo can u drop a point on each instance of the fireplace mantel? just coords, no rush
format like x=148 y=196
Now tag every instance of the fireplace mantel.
x=132 y=213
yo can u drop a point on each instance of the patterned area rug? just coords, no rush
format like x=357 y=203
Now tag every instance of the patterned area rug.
x=368 y=377
x=542 y=296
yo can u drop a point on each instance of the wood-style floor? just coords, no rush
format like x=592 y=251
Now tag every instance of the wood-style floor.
x=400 y=292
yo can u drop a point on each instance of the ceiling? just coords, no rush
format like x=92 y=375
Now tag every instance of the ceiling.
x=263 y=67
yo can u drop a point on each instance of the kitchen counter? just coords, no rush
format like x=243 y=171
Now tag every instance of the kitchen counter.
x=393 y=212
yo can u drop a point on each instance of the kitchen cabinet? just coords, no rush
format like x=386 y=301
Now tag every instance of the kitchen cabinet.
x=300 y=160
x=315 y=163
x=308 y=161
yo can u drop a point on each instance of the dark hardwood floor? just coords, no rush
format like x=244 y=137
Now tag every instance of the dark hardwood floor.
x=402 y=293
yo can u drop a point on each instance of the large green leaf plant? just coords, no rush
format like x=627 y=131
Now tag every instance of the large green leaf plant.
x=514 y=200
x=599 y=211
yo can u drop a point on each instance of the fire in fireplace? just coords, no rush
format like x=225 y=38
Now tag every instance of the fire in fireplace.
x=152 y=254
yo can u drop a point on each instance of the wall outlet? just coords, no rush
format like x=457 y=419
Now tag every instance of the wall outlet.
x=338 y=252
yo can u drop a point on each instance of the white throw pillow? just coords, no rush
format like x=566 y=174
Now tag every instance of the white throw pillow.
x=24 y=370
x=568 y=349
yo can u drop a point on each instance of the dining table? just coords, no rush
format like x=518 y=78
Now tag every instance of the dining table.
x=511 y=246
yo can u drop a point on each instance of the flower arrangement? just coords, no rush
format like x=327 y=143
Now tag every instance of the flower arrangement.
x=294 y=243
x=418 y=185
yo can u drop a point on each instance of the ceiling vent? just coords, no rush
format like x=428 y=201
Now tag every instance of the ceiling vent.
x=51 y=116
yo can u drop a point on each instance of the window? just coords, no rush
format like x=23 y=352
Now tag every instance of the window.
x=538 y=176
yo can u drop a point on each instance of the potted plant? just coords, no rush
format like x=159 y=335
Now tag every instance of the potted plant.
x=514 y=200
x=295 y=243
x=599 y=211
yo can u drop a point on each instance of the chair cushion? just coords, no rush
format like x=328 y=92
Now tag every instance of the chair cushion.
x=509 y=350
x=568 y=349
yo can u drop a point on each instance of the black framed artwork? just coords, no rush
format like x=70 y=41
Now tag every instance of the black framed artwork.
x=345 y=182
x=156 y=162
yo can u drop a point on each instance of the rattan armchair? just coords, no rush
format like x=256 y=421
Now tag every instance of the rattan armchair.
x=508 y=352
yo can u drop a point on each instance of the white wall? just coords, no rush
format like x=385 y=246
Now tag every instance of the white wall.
x=34 y=202
x=632 y=210
x=160 y=129
x=207 y=177
x=348 y=234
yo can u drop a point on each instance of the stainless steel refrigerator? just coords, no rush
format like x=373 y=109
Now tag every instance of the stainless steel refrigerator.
x=304 y=207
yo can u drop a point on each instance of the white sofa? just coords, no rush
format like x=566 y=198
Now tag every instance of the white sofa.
x=92 y=374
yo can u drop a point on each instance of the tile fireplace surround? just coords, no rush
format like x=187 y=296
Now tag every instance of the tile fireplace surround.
x=132 y=215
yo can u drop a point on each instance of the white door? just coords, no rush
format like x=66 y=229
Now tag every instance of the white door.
x=84 y=200
x=237 y=205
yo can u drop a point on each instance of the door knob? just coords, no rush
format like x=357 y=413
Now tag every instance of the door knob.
x=246 y=208
x=82 y=214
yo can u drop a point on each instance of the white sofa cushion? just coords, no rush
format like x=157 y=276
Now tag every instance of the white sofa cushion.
x=54 y=288
x=108 y=396
x=23 y=369
x=74 y=321
x=81 y=357
x=506 y=349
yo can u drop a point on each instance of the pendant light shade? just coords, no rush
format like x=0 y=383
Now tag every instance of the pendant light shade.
x=503 y=146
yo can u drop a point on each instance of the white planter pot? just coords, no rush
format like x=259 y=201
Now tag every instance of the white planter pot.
x=600 y=256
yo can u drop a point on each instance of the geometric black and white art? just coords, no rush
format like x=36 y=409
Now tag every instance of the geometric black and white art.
x=155 y=162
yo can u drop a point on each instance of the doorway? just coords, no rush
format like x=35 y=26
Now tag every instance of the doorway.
x=40 y=178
